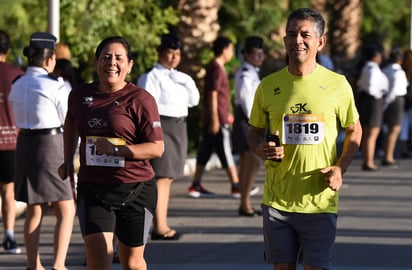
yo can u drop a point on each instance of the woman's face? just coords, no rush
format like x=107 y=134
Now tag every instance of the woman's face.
x=170 y=58
x=113 y=66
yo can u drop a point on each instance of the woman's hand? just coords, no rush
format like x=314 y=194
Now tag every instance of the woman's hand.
x=104 y=146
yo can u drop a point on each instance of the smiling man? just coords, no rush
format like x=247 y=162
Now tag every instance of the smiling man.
x=304 y=103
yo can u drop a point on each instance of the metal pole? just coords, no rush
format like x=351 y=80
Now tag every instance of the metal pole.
x=54 y=18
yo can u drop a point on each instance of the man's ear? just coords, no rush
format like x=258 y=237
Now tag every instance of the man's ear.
x=322 y=43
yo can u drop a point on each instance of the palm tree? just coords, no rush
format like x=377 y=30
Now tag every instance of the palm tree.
x=197 y=29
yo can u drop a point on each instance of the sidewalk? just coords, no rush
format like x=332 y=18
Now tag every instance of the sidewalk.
x=374 y=228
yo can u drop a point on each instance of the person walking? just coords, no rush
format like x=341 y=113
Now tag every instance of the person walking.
x=373 y=85
x=216 y=118
x=39 y=103
x=406 y=129
x=120 y=132
x=246 y=81
x=394 y=105
x=8 y=139
x=304 y=104
x=174 y=92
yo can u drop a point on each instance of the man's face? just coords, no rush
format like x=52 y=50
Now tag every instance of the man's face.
x=301 y=41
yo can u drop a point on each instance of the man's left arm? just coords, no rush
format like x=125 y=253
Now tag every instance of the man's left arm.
x=333 y=174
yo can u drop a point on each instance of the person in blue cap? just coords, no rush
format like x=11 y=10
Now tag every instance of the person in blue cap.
x=39 y=104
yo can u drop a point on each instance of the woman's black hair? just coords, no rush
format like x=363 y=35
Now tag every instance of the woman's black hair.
x=110 y=40
x=36 y=57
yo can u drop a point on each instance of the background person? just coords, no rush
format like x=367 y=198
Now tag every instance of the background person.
x=39 y=102
x=406 y=129
x=174 y=92
x=394 y=105
x=373 y=85
x=8 y=139
x=300 y=198
x=120 y=131
x=246 y=81
x=216 y=118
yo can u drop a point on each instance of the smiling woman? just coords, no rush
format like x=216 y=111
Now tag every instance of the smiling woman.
x=113 y=63
x=119 y=127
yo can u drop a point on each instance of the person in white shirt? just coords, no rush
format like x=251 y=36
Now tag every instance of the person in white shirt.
x=246 y=81
x=174 y=92
x=373 y=85
x=39 y=104
x=394 y=104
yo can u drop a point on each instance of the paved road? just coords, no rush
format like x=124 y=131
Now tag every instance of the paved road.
x=374 y=228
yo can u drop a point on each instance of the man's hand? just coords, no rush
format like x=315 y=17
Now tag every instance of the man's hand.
x=333 y=177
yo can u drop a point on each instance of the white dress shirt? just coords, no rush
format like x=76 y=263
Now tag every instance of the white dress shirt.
x=398 y=83
x=373 y=81
x=174 y=91
x=246 y=81
x=38 y=100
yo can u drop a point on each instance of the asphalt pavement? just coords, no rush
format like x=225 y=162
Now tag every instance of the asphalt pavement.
x=374 y=227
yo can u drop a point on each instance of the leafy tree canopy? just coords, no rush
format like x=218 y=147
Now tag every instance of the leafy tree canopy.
x=84 y=23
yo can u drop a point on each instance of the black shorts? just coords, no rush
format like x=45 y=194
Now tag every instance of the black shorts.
x=220 y=144
x=7 y=161
x=131 y=223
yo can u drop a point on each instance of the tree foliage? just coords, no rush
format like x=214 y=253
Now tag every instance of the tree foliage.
x=141 y=22
x=84 y=23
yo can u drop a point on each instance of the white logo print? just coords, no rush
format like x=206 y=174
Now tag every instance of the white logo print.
x=95 y=123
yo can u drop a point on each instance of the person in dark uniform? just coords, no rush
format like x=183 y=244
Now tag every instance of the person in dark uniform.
x=120 y=131
x=39 y=104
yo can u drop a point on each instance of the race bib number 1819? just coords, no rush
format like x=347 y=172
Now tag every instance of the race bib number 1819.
x=303 y=128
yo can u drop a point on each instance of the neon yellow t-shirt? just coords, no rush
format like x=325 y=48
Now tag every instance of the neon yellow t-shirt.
x=307 y=111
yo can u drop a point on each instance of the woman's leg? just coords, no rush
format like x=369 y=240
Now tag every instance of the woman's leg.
x=248 y=169
x=132 y=257
x=160 y=225
x=32 y=225
x=64 y=212
x=99 y=251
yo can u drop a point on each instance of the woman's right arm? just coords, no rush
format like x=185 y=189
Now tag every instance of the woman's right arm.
x=70 y=139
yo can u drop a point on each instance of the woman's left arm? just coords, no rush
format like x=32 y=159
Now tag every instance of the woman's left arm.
x=141 y=151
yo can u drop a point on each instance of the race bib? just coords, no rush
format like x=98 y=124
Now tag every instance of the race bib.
x=93 y=159
x=303 y=128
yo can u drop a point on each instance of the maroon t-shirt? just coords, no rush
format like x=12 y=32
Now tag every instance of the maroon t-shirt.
x=8 y=131
x=216 y=80
x=130 y=113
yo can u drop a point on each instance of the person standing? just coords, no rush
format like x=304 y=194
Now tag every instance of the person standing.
x=373 y=85
x=216 y=118
x=406 y=129
x=394 y=105
x=174 y=92
x=39 y=103
x=304 y=103
x=120 y=132
x=246 y=81
x=8 y=139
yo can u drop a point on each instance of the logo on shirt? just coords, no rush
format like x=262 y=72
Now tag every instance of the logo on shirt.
x=156 y=124
x=276 y=91
x=87 y=100
x=300 y=108
x=97 y=123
